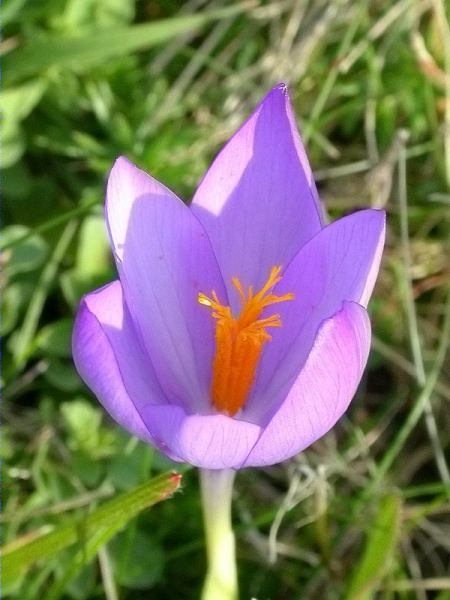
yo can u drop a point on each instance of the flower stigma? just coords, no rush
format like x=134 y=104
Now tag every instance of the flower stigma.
x=240 y=341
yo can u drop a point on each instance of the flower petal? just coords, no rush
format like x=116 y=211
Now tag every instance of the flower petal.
x=110 y=359
x=258 y=200
x=340 y=263
x=322 y=391
x=164 y=258
x=205 y=441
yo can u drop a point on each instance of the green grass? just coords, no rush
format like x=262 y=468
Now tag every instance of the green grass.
x=363 y=514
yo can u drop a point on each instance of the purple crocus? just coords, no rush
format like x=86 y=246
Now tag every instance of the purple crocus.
x=237 y=332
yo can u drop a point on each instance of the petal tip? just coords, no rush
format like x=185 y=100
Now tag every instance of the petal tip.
x=380 y=213
x=279 y=93
x=380 y=218
x=121 y=159
x=374 y=217
x=120 y=165
x=282 y=87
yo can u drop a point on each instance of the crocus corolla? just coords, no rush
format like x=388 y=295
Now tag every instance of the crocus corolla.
x=237 y=332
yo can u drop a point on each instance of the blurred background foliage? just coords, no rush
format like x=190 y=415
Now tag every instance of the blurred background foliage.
x=362 y=514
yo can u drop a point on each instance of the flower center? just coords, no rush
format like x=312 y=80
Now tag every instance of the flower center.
x=240 y=340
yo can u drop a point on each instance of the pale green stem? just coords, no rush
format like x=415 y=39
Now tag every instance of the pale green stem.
x=221 y=576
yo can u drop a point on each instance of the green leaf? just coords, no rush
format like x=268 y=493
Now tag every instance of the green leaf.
x=80 y=587
x=79 y=13
x=74 y=284
x=26 y=257
x=11 y=10
x=15 y=105
x=13 y=299
x=379 y=549
x=93 y=264
x=93 y=254
x=86 y=49
x=101 y=524
x=54 y=339
x=130 y=465
x=83 y=423
x=12 y=141
x=129 y=568
x=88 y=469
x=62 y=375
x=22 y=345
x=86 y=435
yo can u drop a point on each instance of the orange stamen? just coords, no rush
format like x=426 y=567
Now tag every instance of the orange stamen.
x=240 y=340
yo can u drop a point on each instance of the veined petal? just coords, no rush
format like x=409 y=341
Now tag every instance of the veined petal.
x=205 y=441
x=164 y=258
x=339 y=264
x=258 y=201
x=322 y=391
x=111 y=360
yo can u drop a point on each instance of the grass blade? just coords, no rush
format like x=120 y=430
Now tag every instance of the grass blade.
x=87 y=49
x=100 y=524
x=380 y=547
x=30 y=323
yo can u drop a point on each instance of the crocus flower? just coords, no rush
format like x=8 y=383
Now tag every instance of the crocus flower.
x=237 y=332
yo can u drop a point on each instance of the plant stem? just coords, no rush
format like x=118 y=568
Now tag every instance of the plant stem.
x=221 y=578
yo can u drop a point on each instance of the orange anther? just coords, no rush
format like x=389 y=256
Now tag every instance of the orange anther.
x=240 y=340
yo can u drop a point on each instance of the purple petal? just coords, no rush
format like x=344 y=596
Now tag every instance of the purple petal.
x=258 y=201
x=110 y=359
x=322 y=391
x=206 y=441
x=340 y=263
x=164 y=259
